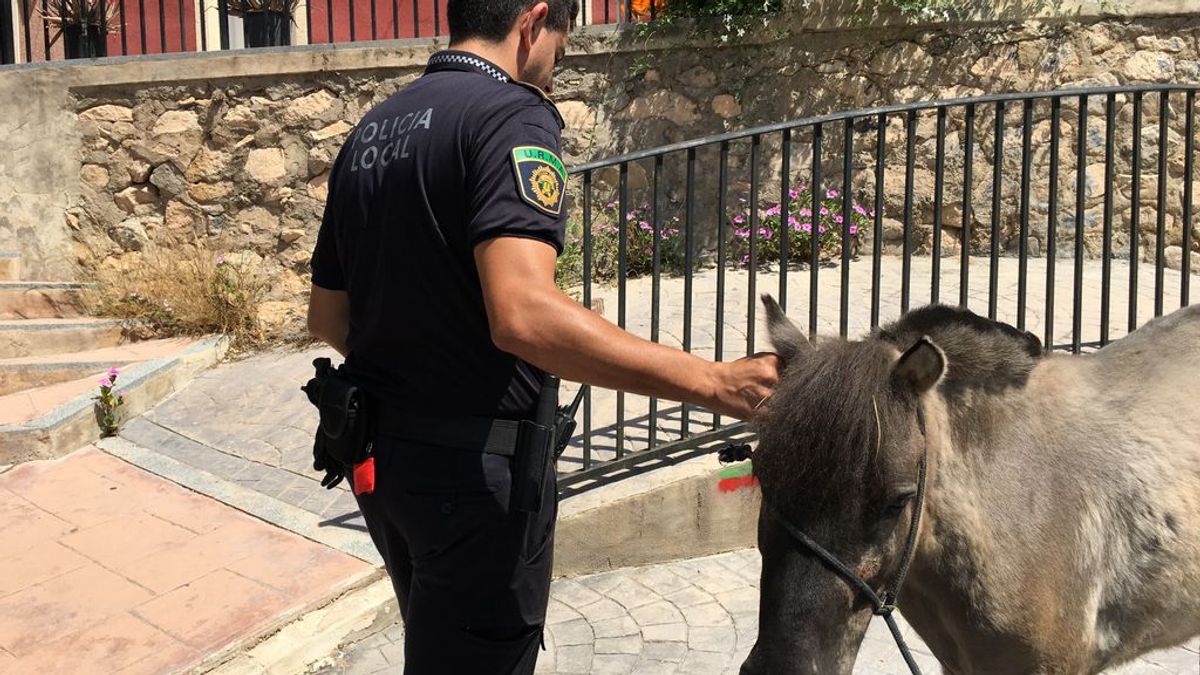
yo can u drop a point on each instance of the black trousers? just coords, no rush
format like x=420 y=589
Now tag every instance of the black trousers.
x=471 y=576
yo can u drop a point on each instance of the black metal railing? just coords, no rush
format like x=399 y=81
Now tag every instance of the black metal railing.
x=140 y=27
x=991 y=194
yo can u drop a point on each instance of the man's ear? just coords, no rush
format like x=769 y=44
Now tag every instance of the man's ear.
x=535 y=20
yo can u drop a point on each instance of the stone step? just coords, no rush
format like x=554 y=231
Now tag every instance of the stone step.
x=38 y=337
x=51 y=421
x=10 y=266
x=41 y=300
x=22 y=373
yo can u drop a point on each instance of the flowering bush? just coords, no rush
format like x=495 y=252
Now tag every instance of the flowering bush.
x=606 y=245
x=799 y=225
x=108 y=404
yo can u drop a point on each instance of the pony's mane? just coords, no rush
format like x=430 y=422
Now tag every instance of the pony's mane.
x=821 y=433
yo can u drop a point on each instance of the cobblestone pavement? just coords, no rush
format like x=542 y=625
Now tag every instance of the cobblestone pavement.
x=693 y=617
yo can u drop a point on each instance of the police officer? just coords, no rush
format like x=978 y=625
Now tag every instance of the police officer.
x=433 y=274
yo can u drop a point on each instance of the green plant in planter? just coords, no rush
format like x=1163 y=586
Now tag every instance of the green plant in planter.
x=83 y=25
x=266 y=23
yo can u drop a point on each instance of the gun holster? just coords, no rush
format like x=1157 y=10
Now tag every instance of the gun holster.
x=345 y=433
x=540 y=443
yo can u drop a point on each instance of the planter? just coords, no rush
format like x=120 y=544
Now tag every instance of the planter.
x=267 y=29
x=79 y=46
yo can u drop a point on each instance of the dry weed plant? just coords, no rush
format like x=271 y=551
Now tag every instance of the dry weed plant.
x=188 y=292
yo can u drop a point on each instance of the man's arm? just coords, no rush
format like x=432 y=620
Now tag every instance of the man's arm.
x=329 y=317
x=531 y=318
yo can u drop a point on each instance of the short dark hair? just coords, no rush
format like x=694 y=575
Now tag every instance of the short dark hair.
x=491 y=20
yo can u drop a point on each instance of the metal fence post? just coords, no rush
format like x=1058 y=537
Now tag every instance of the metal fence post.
x=8 y=53
x=223 y=22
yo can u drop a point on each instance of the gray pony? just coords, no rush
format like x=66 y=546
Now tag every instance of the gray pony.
x=1059 y=530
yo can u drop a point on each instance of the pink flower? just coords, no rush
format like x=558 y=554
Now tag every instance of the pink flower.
x=738 y=220
x=824 y=211
x=113 y=372
x=774 y=210
x=853 y=229
x=647 y=227
x=822 y=229
x=742 y=233
x=805 y=213
x=860 y=210
x=792 y=222
x=832 y=194
x=764 y=233
x=106 y=383
x=793 y=194
x=837 y=218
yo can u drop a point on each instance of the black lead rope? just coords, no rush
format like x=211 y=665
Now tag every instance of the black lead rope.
x=883 y=604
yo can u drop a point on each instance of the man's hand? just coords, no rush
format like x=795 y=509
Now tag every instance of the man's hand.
x=743 y=386
x=531 y=318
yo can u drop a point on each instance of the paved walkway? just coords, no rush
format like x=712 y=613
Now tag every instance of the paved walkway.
x=694 y=617
x=105 y=568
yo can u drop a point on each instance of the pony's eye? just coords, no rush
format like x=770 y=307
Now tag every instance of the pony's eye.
x=901 y=500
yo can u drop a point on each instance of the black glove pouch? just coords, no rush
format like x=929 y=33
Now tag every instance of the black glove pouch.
x=345 y=432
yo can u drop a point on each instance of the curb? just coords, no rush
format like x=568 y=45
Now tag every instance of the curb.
x=71 y=424
x=305 y=645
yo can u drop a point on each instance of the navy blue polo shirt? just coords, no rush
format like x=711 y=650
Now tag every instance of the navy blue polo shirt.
x=460 y=156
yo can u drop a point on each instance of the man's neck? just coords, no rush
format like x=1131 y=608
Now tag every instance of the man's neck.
x=502 y=54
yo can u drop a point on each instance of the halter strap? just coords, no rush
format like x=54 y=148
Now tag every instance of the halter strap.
x=882 y=603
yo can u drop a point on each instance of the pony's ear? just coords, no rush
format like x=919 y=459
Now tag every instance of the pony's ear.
x=787 y=339
x=921 y=366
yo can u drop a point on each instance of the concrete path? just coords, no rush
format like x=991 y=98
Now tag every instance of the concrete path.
x=105 y=568
x=693 y=617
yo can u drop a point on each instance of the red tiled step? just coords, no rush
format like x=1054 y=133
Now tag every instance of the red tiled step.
x=40 y=300
x=37 y=337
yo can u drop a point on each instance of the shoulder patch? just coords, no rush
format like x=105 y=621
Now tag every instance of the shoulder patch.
x=541 y=178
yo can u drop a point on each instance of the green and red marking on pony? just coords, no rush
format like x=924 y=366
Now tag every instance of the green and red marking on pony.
x=737 y=477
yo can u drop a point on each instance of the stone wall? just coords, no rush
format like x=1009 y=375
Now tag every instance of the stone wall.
x=232 y=153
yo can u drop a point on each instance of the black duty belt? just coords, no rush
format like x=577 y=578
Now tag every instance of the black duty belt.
x=493 y=436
